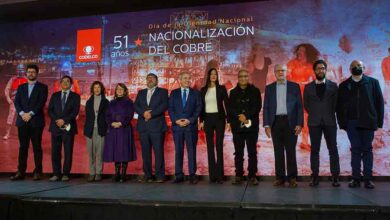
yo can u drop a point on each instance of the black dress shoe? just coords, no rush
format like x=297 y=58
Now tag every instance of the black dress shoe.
x=368 y=184
x=178 y=180
x=36 y=176
x=219 y=181
x=335 y=182
x=17 y=176
x=237 y=180
x=314 y=181
x=212 y=180
x=254 y=181
x=194 y=179
x=354 y=184
x=145 y=180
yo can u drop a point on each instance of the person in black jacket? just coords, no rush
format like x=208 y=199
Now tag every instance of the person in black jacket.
x=360 y=111
x=151 y=104
x=244 y=109
x=320 y=98
x=30 y=100
x=63 y=109
x=95 y=128
x=213 y=120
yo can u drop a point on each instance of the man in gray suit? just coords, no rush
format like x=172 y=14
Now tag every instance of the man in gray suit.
x=151 y=104
x=320 y=98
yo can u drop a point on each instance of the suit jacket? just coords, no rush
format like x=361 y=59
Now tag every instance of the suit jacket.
x=158 y=104
x=35 y=103
x=190 y=111
x=90 y=117
x=244 y=101
x=321 y=111
x=222 y=101
x=294 y=105
x=69 y=114
x=370 y=104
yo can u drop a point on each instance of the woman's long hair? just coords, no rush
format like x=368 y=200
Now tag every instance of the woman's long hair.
x=208 y=81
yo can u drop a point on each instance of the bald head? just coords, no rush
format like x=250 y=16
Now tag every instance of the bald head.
x=356 y=68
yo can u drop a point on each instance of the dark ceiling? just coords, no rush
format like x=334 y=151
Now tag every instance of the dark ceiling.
x=27 y=10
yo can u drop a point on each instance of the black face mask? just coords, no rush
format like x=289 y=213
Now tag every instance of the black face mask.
x=357 y=71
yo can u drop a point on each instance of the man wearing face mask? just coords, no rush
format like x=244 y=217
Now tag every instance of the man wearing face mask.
x=320 y=98
x=360 y=110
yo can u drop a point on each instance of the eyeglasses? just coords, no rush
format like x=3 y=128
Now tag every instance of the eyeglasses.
x=243 y=76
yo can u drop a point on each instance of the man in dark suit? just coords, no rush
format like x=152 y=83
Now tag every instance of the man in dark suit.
x=244 y=109
x=360 y=111
x=63 y=109
x=185 y=106
x=30 y=100
x=283 y=120
x=150 y=105
x=320 y=99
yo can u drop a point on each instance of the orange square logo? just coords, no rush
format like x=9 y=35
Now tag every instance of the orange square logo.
x=89 y=45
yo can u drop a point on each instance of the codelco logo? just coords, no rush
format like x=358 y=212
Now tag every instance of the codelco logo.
x=89 y=45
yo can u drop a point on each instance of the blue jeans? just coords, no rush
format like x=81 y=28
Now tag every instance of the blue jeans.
x=361 y=150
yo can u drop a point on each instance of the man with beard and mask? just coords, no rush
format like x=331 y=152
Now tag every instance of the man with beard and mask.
x=320 y=98
x=360 y=110
x=30 y=100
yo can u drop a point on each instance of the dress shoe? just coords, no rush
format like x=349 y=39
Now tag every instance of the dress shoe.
x=292 y=183
x=254 y=181
x=219 y=181
x=145 y=180
x=354 y=183
x=160 y=180
x=314 y=181
x=335 y=182
x=36 y=176
x=278 y=183
x=194 y=179
x=65 y=178
x=98 y=177
x=368 y=184
x=54 y=179
x=212 y=180
x=17 y=176
x=91 y=178
x=178 y=180
x=237 y=180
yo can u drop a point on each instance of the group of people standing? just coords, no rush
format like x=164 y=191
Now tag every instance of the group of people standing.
x=357 y=104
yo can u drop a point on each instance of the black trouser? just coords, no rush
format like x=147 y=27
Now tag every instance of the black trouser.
x=25 y=134
x=155 y=141
x=56 y=143
x=239 y=140
x=284 y=139
x=214 y=124
x=330 y=134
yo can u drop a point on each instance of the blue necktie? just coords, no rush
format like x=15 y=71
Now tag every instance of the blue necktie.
x=184 y=97
x=63 y=99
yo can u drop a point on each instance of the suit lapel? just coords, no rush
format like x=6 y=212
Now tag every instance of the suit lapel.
x=156 y=91
x=327 y=89
x=274 y=101
x=313 y=90
x=33 y=92
x=67 y=100
x=25 y=90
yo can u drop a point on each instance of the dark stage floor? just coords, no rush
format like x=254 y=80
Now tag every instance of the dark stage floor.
x=78 y=199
